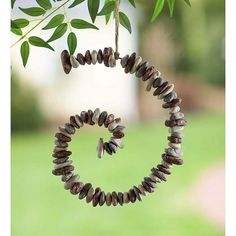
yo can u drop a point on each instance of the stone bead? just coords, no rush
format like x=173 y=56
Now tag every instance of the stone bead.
x=79 y=121
x=154 y=178
x=107 y=148
x=112 y=147
x=147 y=188
x=84 y=191
x=124 y=61
x=90 y=116
x=80 y=59
x=110 y=118
x=112 y=60
x=173 y=139
x=69 y=128
x=63 y=170
x=102 y=118
x=137 y=193
x=141 y=69
x=120 y=198
x=137 y=62
x=174 y=110
x=69 y=183
x=174 y=152
x=130 y=62
x=173 y=103
x=118 y=134
x=168 y=90
x=88 y=58
x=175 y=129
x=181 y=122
x=118 y=128
x=84 y=116
x=73 y=122
x=96 y=196
x=149 y=84
x=174 y=145
x=61 y=144
x=74 y=62
x=160 y=89
x=60 y=160
x=148 y=73
x=108 y=199
x=170 y=123
x=177 y=134
x=76 y=188
x=100 y=150
x=62 y=138
x=61 y=154
x=117 y=142
x=100 y=56
x=132 y=195
x=106 y=54
x=126 y=198
x=177 y=115
x=94 y=55
x=96 y=115
x=65 y=60
x=163 y=169
x=173 y=160
x=157 y=82
x=150 y=182
x=89 y=196
x=58 y=166
x=164 y=163
x=142 y=190
x=102 y=199
x=113 y=124
x=169 y=97
x=66 y=177
x=64 y=131
x=114 y=198
x=56 y=149
x=159 y=174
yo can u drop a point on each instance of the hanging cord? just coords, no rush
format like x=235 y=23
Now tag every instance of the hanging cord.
x=117 y=22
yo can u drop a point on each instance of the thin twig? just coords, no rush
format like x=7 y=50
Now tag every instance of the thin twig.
x=117 y=22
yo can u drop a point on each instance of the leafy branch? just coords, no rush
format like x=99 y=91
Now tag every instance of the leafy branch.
x=60 y=22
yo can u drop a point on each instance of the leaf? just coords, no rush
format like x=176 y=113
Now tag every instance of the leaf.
x=24 y=51
x=75 y=3
x=44 y=4
x=12 y=3
x=72 y=42
x=158 y=8
x=171 y=4
x=107 y=8
x=33 y=11
x=19 y=23
x=38 y=42
x=54 y=22
x=132 y=2
x=93 y=6
x=188 y=2
x=16 y=31
x=124 y=21
x=82 y=24
x=107 y=17
x=59 y=32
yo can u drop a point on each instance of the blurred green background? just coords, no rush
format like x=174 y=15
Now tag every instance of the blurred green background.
x=189 y=48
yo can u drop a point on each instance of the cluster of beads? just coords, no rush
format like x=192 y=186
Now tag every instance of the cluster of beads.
x=172 y=155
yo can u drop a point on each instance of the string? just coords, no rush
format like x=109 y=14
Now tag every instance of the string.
x=117 y=22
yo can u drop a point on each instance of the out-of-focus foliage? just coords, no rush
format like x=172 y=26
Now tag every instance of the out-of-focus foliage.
x=25 y=112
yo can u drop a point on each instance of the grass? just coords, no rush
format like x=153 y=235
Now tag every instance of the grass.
x=40 y=205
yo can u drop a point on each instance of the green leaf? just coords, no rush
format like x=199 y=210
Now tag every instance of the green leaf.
x=82 y=24
x=171 y=4
x=19 y=23
x=107 y=16
x=59 y=32
x=72 y=42
x=33 y=11
x=188 y=2
x=38 y=42
x=44 y=4
x=24 y=51
x=12 y=3
x=107 y=8
x=75 y=3
x=16 y=31
x=54 y=22
x=93 y=6
x=158 y=8
x=132 y=2
x=124 y=21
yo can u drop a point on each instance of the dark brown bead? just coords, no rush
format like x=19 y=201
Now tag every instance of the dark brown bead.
x=170 y=123
x=107 y=148
x=181 y=122
x=60 y=160
x=60 y=154
x=160 y=89
x=73 y=122
x=124 y=61
x=159 y=174
x=120 y=198
x=108 y=120
x=132 y=195
x=137 y=193
x=100 y=56
x=89 y=196
x=102 y=198
x=157 y=82
x=147 y=187
x=66 y=177
x=84 y=191
x=76 y=188
x=65 y=60
x=117 y=55
x=108 y=199
x=169 y=97
x=163 y=169
x=173 y=139
x=96 y=196
x=84 y=116
x=61 y=144
x=88 y=57
x=172 y=160
x=175 y=102
x=141 y=69
x=102 y=118
x=130 y=62
x=112 y=147
x=148 y=73
x=90 y=116
x=106 y=54
x=61 y=137
x=118 y=128
x=114 y=198
x=63 y=171
x=80 y=58
x=69 y=128
x=150 y=182
x=118 y=134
